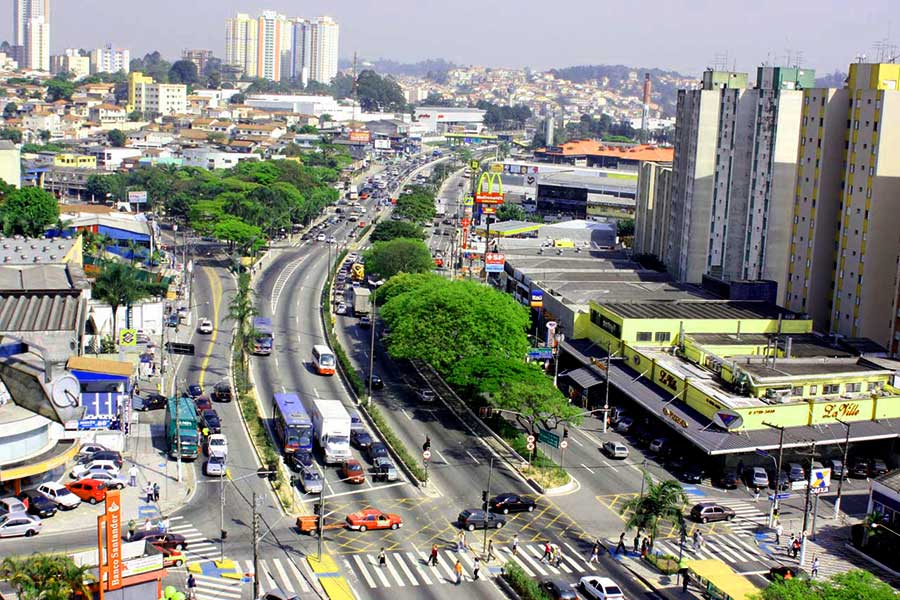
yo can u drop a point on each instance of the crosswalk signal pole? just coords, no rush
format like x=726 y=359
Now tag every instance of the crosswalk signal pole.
x=804 y=532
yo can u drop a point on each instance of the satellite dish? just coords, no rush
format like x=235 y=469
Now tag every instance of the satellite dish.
x=65 y=391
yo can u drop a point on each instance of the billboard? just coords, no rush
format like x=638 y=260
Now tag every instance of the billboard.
x=360 y=136
x=139 y=197
x=493 y=262
x=537 y=299
x=114 y=561
x=485 y=193
x=382 y=144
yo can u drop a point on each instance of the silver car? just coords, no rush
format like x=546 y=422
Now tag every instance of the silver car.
x=112 y=480
x=384 y=469
x=311 y=481
x=19 y=524
x=215 y=466
x=11 y=506
x=615 y=449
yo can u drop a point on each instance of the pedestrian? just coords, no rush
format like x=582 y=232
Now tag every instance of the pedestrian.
x=131 y=527
x=548 y=552
x=795 y=547
x=191 y=585
x=644 y=548
x=457 y=568
x=490 y=550
x=637 y=540
x=695 y=540
x=779 y=529
x=148 y=526
x=620 y=547
x=148 y=491
x=650 y=542
x=515 y=544
x=815 y=568
x=461 y=541
x=595 y=553
x=156 y=492
x=206 y=432
x=756 y=495
x=432 y=560
x=166 y=524
x=132 y=476
x=700 y=539
x=382 y=558
x=476 y=566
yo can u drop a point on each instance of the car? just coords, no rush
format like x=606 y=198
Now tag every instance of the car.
x=877 y=467
x=859 y=468
x=784 y=482
x=600 y=588
x=222 y=392
x=20 y=524
x=365 y=321
x=383 y=469
x=89 y=490
x=215 y=466
x=209 y=419
x=371 y=518
x=426 y=395
x=152 y=401
x=781 y=572
x=172 y=320
x=59 y=494
x=376 y=450
x=81 y=471
x=11 y=506
x=217 y=445
x=202 y=403
x=194 y=391
x=38 y=504
x=705 y=512
x=474 y=518
x=659 y=445
x=691 y=472
x=341 y=309
x=795 y=471
x=332 y=240
x=88 y=450
x=321 y=237
x=837 y=468
x=300 y=459
x=310 y=480
x=171 y=557
x=623 y=425
x=360 y=438
x=727 y=479
x=377 y=382
x=557 y=589
x=615 y=449
x=352 y=471
x=508 y=502
x=205 y=326
x=617 y=413
x=173 y=541
x=112 y=481
x=113 y=456
x=756 y=477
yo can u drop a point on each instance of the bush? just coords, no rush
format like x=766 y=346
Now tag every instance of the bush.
x=665 y=563
x=526 y=587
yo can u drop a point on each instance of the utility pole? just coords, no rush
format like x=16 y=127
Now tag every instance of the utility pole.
x=373 y=325
x=222 y=534
x=774 y=505
x=321 y=521
x=804 y=532
x=255 y=549
x=606 y=392
x=837 y=502
x=487 y=496
x=178 y=431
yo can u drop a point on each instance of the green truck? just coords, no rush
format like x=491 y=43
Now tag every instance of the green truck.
x=183 y=430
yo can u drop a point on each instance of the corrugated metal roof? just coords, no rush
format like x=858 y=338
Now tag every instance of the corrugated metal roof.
x=39 y=312
x=698 y=309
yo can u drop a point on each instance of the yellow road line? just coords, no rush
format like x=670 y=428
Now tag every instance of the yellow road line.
x=215 y=285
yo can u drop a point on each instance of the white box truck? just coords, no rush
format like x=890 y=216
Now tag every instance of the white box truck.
x=331 y=424
x=360 y=299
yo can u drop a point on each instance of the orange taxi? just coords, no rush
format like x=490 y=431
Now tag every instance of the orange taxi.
x=371 y=518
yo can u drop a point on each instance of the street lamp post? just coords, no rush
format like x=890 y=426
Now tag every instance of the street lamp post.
x=837 y=502
x=559 y=337
x=606 y=391
x=373 y=325
x=774 y=505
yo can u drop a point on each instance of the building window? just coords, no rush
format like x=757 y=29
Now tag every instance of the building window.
x=813 y=389
x=663 y=336
x=831 y=388
x=797 y=390
x=644 y=336
x=852 y=388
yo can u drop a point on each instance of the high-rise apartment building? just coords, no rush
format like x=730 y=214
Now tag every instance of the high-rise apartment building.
x=71 y=62
x=199 y=57
x=241 y=36
x=273 y=46
x=733 y=176
x=846 y=201
x=323 y=45
x=651 y=217
x=110 y=60
x=31 y=33
x=150 y=98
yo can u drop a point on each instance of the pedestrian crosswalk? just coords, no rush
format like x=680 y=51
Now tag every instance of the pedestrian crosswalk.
x=739 y=550
x=199 y=547
x=281 y=573
x=748 y=517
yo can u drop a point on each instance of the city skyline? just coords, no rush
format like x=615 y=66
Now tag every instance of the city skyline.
x=374 y=30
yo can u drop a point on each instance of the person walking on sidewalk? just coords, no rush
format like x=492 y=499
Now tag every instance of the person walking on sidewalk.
x=156 y=492
x=779 y=529
x=166 y=523
x=515 y=544
x=476 y=566
x=148 y=491
x=382 y=558
x=191 y=586
x=795 y=547
x=620 y=547
x=637 y=541
x=132 y=476
x=490 y=551
x=457 y=568
x=432 y=559
x=595 y=553
x=131 y=527
x=695 y=542
x=815 y=568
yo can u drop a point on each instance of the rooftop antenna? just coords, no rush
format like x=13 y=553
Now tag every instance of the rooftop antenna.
x=860 y=58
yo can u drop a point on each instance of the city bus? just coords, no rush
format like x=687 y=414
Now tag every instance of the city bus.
x=292 y=423
x=323 y=360
x=265 y=338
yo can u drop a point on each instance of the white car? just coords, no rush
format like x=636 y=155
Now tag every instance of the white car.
x=615 y=449
x=112 y=480
x=332 y=240
x=600 y=588
x=19 y=524
x=341 y=308
x=217 y=445
x=81 y=471
x=205 y=326
x=321 y=237
x=58 y=493
x=215 y=466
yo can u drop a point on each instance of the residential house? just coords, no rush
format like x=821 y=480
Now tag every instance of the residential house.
x=108 y=115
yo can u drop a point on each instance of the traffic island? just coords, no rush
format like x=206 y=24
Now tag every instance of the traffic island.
x=225 y=569
x=334 y=584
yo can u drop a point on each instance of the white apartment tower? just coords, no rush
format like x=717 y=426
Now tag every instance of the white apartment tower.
x=323 y=44
x=110 y=60
x=31 y=33
x=241 y=37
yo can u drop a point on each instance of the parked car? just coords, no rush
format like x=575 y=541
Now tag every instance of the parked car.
x=38 y=504
x=624 y=425
x=795 y=471
x=837 y=468
x=376 y=450
x=353 y=472
x=756 y=477
x=205 y=326
x=81 y=471
x=300 y=459
x=508 y=502
x=222 y=392
x=659 y=445
x=600 y=588
x=615 y=449
x=383 y=469
x=877 y=467
x=705 y=512
x=727 y=479
x=784 y=482
x=859 y=468
x=691 y=472
x=426 y=395
x=360 y=438
x=58 y=493
x=558 y=589
x=215 y=466
x=20 y=524
x=209 y=419
x=151 y=401
x=113 y=481
x=110 y=455
x=11 y=506
x=310 y=480
x=91 y=491
x=475 y=518
x=371 y=518
x=88 y=450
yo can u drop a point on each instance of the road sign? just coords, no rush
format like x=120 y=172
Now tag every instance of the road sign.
x=530 y=446
x=779 y=496
x=128 y=337
x=548 y=437
x=820 y=480
x=530 y=439
x=474 y=165
x=426 y=455
x=496 y=168
x=540 y=353
x=493 y=262
x=564 y=444
x=798 y=485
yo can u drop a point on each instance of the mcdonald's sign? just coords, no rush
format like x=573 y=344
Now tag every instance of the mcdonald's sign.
x=485 y=193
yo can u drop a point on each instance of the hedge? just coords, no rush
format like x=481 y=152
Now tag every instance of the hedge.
x=524 y=585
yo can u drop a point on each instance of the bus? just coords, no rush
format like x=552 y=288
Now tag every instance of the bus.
x=293 y=426
x=323 y=360
x=182 y=429
x=265 y=338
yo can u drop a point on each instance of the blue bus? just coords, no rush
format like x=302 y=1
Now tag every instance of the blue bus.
x=293 y=426
x=265 y=336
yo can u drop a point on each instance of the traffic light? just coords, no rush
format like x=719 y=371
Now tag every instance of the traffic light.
x=565 y=433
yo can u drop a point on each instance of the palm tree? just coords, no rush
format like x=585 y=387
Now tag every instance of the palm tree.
x=663 y=501
x=46 y=577
x=241 y=310
x=119 y=285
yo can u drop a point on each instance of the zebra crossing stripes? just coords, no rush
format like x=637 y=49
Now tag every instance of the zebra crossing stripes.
x=211 y=588
x=279 y=573
x=198 y=545
x=748 y=517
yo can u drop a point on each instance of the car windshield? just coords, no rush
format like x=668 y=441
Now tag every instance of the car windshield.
x=216 y=442
x=217 y=460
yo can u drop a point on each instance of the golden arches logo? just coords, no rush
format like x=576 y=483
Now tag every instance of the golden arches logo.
x=489 y=179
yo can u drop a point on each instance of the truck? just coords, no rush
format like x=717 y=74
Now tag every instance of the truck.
x=182 y=429
x=360 y=299
x=331 y=427
x=353 y=194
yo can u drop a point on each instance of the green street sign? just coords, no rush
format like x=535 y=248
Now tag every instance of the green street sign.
x=548 y=437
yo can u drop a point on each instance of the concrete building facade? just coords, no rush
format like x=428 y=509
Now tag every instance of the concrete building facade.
x=110 y=60
x=241 y=33
x=651 y=218
x=31 y=33
x=148 y=97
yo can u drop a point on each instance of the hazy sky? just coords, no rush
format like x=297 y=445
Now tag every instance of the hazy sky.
x=685 y=35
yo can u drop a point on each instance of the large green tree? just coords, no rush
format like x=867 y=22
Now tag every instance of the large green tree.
x=119 y=284
x=417 y=206
x=511 y=212
x=59 y=89
x=116 y=137
x=663 y=501
x=241 y=310
x=28 y=211
x=401 y=255
x=46 y=577
x=535 y=401
x=237 y=233
x=852 y=585
x=386 y=231
x=184 y=71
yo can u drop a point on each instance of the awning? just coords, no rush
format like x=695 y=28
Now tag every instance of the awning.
x=585 y=377
x=100 y=365
x=61 y=453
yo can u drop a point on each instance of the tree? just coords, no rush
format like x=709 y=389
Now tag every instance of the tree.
x=28 y=212
x=13 y=135
x=135 y=115
x=241 y=310
x=418 y=206
x=44 y=134
x=10 y=110
x=378 y=93
x=237 y=233
x=184 y=71
x=386 y=231
x=59 y=89
x=625 y=227
x=46 y=577
x=400 y=255
x=852 y=585
x=116 y=138
x=511 y=212
x=98 y=186
x=237 y=99
x=118 y=285
x=661 y=501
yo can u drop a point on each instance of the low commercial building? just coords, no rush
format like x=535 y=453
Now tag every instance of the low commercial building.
x=443 y=119
x=594 y=153
x=207 y=158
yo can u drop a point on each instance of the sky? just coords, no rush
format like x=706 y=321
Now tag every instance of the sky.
x=683 y=35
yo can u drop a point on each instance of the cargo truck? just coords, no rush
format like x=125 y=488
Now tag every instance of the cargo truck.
x=331 y=426
x=360 y=299
x=182 y=431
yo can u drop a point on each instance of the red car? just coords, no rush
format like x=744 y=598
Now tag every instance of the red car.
x=353 y=472
x=202 y=403
x=89 y=490
x=371 y=518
